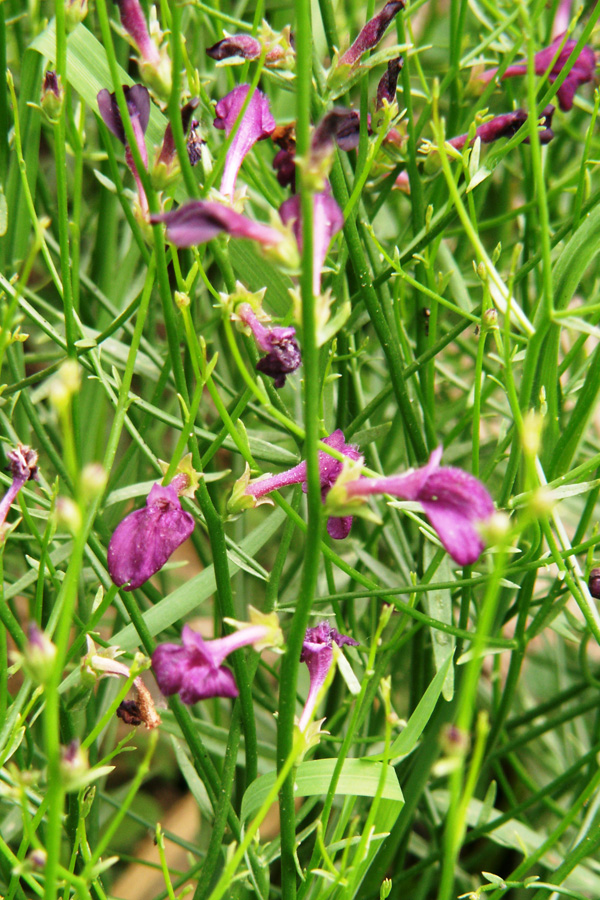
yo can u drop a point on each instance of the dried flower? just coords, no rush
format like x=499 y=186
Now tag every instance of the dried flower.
x=256 y=124
x=371 y=33
x=138 y=106
x=195 y=669
x=338 y=527
x=328 y=219
x=581 y=72
x=145 y=539
x=242 y=45
x=386 y=89
x=166 y=166
x=455 y=502
x=98 y=663
x=279 y=343
x=22 y=463
x=317 y=653
x=234 y=48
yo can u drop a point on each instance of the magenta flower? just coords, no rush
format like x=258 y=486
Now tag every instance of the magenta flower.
x=581 y=72
x=317 y=653
x=202 y=220
x=507 y=125
x=257 y=124
x=138 y=106
x=22 y=463
x=134 y=23
x=338 y=527
x=328 y=219
x=371 y=34
x=145 y=539
x=195 y=669
x=279 y=343
x=454 y=501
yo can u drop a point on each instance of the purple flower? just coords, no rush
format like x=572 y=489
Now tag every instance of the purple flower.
x=195 y=669
x=256 y=124
x=317 y=653
x=138 y=107
x=338 y=527
x=279 y=343
x=155 y=64
x=202 y=220
x=168 y=150
x=507 y=125
x=454 y=501
x=145 y=539
x=134 y=23
x=22 y=462
x=581 y=72
x=243 y=45
x=372 y=33
x=328 y=219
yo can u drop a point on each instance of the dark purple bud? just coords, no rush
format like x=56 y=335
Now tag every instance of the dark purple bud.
x=594 y=583
x=328 y=219
x=202 y=220
x=386 y=89
x=256 y=124
x=507 y=125
x=146 y=538
x=243 y=45
x=372 y=33
x=338 y=122
x=138 y=105
x=52 y=95
x=582 y=71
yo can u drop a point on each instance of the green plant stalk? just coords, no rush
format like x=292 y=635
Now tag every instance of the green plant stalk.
x=456 y=817
x=110 y=830
x=225 y=880
x=570 y=816
x=286 y=754
x=60 y=139
x=37 y=228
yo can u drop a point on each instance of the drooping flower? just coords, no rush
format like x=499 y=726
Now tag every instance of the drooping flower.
x=328 y=219
x=455 y=502
x=202 y=220
x=371 y=33
x=581 y=72
x=155 y=64
x=338 y=527
x=256 y=124
x=195 y=670
x=278 y=342
x=138 y=107
x=506 y=125
x=22 y=462
x=317 y=653
x=143 y=542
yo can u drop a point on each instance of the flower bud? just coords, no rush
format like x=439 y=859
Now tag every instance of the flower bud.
x=594 y=583
x=68 y=514
x=39 y=655
x=75 y=12
x=93 y=480
x=52 y=96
